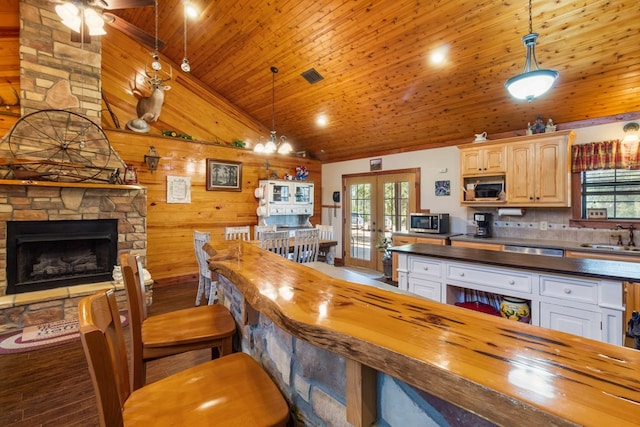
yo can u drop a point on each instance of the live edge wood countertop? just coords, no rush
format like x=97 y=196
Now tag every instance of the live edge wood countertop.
x=508 y=372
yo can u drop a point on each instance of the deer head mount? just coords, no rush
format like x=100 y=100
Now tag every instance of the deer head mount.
x=149 y=107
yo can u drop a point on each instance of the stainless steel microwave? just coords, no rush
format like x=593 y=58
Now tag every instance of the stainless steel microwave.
x=429 y=223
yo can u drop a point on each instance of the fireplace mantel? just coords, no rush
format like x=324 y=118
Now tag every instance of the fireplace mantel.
x=70 y=184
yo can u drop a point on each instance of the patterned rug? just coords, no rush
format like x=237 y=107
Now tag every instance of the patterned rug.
x=44 y=335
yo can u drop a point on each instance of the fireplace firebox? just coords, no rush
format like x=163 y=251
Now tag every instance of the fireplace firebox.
x=51 y=254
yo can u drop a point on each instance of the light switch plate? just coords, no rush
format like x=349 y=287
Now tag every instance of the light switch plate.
x=597 y=213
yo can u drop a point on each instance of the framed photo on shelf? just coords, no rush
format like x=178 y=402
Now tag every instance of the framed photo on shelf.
x=224 y=175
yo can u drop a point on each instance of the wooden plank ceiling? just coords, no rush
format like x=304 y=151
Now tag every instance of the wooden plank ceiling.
x=380 y=92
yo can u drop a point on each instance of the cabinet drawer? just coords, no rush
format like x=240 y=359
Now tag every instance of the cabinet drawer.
x=423 y=267
x=425 y=288
x=488 y=277
x=569 y=289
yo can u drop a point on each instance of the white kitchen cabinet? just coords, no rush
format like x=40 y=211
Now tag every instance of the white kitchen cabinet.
x=572 y=320
x=590 y=308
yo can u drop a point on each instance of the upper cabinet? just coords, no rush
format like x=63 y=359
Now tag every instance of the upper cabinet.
x=485 y=160
x=534 y=170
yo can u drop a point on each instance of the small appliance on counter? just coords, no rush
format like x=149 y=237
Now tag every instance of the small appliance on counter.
x=429 y=223
x=483 y=224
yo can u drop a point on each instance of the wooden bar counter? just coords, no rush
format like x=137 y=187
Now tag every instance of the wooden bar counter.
x=504 y=371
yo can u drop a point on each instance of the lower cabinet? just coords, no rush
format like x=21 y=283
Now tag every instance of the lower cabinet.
x=400 y=239
x=590 y=308
x=574 y=321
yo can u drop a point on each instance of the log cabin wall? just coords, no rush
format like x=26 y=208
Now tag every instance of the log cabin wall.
x=212 y=121
x=170 y=226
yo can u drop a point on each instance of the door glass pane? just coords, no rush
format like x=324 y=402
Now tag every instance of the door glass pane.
x=360 y=244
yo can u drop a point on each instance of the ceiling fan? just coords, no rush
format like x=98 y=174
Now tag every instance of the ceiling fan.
x=92 y=13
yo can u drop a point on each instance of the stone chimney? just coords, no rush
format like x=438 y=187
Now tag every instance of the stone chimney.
x=55 y=72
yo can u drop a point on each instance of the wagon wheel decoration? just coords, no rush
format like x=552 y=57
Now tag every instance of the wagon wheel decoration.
x=59 y=145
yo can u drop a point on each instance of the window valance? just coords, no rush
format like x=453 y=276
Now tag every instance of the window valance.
x=604 y=155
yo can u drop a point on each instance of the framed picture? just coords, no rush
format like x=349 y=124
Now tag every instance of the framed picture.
x=375 y=164
x=178 y=189
x=443 y=188
x=224 y=175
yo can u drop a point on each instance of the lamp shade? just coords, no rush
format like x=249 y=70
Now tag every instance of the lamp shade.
x=531 y=84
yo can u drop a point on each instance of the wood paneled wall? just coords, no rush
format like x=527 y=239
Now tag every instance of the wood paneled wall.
x=170 y=226
x=210 y=119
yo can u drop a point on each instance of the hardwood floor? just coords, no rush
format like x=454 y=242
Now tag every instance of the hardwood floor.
x=52 y=387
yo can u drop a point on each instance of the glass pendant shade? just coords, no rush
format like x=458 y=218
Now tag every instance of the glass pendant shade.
x=72 y=17
x=532 y=82
x=272 y=146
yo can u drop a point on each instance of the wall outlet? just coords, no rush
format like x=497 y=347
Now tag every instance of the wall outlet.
x=543 y=225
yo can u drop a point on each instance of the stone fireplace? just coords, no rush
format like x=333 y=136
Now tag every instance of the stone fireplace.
x=36 y=203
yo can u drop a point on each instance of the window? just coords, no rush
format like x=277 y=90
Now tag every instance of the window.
x=617 y=190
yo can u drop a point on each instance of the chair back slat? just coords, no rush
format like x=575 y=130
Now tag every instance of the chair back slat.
x=199 y=239
x=306 y=245
x=104 y=346
x=237 y=233
x=275 y=241
x=259 y=229
x=325 y=231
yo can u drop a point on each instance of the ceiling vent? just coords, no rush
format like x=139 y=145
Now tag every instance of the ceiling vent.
x=312 y=76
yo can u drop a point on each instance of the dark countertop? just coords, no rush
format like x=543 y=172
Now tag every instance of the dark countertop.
x=535 y=243
x=601 y=269
x=443 y=236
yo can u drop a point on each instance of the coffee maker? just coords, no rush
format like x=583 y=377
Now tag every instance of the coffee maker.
x=483 y=224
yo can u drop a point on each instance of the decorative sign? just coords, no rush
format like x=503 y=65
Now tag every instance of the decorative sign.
x=178 y=189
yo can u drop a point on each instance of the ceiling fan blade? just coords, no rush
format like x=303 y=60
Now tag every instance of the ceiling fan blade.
x=132 y=31
x=128 y=4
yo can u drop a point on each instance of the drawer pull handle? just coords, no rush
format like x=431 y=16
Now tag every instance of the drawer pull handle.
x=512 y=282
x=426 y=268
x=567 y=290
x=462 y=274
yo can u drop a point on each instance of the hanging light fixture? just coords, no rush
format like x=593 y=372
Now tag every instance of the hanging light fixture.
x=272 y=145
x=156 y=65
x=532 y=82
x=76 y=14
x=185 y=62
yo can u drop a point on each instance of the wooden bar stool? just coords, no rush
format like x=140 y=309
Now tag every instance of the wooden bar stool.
x=170 y=333
x=230 y=391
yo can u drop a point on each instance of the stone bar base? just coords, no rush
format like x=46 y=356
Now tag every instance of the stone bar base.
x=313 y=380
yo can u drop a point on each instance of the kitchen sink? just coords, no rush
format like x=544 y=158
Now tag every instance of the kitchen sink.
x=609 y=247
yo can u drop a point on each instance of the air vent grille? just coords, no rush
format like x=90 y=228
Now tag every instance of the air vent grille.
x=312 y=76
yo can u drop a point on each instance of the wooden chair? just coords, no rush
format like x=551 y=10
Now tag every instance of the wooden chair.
x=230 y=391
x=325 y=232
x=154 y=337
x=259 y=229
x=206 y=285
x=237 y=233
x=276 y=241
x=306 y=245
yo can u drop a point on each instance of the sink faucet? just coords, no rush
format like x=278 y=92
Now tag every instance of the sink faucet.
x=630 y=228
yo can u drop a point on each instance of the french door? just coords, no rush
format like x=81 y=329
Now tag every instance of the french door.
x=375 y=206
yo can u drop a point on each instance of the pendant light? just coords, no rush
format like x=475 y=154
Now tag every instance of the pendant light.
x=532 y=82
x=185 y=62
x=272 y=145
x=155 y=54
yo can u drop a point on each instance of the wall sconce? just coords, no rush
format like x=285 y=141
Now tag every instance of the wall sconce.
x=152 y=158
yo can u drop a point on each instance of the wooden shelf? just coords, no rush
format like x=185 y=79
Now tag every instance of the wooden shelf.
x=33 y=183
